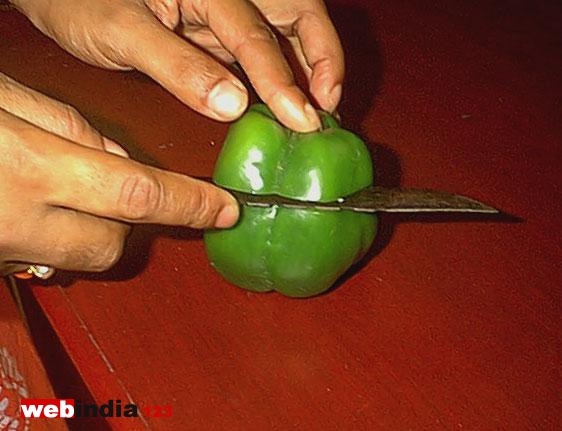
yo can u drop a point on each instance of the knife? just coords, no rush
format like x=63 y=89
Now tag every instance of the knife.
x=368 y=200
x=376 y=199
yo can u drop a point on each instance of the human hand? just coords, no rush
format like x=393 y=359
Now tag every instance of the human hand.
x=67 y=193
x=125 y=34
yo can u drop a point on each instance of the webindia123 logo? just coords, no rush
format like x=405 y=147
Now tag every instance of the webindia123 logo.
x=62 y=408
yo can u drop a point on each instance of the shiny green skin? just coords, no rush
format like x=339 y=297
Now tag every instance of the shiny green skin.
x=299 y=253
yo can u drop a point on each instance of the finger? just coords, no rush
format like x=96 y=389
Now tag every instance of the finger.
x=69 y=240
x=195 y=78
x=241 y=30
x=206 y=40
x=54 y=171
x=322 y=50
x=167 y=11
x=100 y=184
x=52 y=116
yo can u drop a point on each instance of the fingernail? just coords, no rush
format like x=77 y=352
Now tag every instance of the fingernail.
x=227 y=100
x=312 y=116
x=114 y=148
x=303 y=118
x=227 y=216
x=335 y=96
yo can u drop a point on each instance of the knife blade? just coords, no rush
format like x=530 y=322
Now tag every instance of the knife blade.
x=376 y=199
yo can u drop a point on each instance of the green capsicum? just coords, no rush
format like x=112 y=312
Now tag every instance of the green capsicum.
x=297 y=252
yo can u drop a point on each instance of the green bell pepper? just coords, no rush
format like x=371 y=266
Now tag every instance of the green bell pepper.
x=297 y=252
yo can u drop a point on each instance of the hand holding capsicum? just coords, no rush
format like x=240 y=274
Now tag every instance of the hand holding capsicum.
x=136 y=34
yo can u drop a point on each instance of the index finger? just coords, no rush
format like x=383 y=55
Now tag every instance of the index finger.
x=109 y=186
x=239 y=27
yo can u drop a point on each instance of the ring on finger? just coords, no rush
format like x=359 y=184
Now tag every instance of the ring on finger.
x=42 y=272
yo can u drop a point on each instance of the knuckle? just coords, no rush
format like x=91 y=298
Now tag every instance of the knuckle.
x=259 y=34
x=194 y=71
x=96 y=249
x=118 y=19
x=201 y=209
x=140 y=196
x=262 y=33
x=108 y=254
x=117 y=22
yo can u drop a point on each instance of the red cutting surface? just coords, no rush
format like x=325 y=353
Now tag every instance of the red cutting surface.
x=450 y=323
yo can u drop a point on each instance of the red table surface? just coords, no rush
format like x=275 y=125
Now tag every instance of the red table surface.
x=449 y=323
